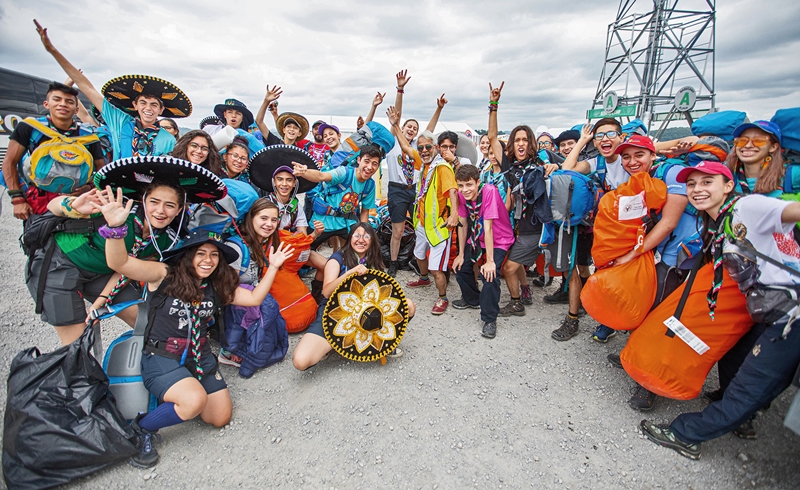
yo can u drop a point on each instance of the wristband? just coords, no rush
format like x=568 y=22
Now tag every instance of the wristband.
x=102 y=296
x=12 y=193
x=492 y=102
x=492 y=108
x=401 y=91
x=18 y=200
x=113 y=232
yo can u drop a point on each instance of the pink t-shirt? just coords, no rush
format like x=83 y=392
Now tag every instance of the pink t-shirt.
x=492 y=208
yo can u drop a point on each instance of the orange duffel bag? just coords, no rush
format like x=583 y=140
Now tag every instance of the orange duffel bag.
x=666 y=365
x=298 y=308
x=614 y=233
x=621 y=296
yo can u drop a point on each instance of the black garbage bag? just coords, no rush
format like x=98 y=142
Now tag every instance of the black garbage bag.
x=406 y=252
x=61 y=422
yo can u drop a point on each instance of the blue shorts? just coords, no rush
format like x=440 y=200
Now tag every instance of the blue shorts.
x=161 y=373
x=316 y=325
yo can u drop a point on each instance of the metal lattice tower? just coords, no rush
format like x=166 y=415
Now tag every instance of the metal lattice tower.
x=651 y=55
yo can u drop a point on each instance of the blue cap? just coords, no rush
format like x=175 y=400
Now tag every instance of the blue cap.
x=766 y=126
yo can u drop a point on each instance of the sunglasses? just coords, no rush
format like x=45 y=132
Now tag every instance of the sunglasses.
x=424 y=147
x=607 y=134
x=196 y=146
x=758 y=141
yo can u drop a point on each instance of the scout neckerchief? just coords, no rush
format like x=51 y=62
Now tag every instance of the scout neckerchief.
x=716 y=229
x=143 y=139
x=407 y=166
x=289 y=208
x=741 y=178
x=194 y=336
x=425 y=180
x=139 y=244
x=475 y=223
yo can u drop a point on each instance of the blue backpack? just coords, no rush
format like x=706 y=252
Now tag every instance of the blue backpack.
x=572 y=197
x=720 y=124
x=789 y=122
x=221 y=216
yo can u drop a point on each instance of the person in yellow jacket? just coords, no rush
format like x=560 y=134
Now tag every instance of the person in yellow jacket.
x=435 y=206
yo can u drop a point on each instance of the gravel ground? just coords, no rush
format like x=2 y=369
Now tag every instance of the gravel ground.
x=456 y=411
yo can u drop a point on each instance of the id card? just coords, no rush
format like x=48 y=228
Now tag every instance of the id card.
x=632 y=207
x=686 y=335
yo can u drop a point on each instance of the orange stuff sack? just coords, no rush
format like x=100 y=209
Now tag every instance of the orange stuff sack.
x=620 y=297
x=540 y=267
x=614 y=234
x=298 y=308
x=666 y=365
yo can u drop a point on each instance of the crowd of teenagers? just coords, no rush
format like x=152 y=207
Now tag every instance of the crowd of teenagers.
x=210 y=223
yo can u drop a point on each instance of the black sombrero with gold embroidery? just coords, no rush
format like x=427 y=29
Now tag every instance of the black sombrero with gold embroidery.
x=121 y=92
x=267 y=161
x=135 y=174
x=366 y=316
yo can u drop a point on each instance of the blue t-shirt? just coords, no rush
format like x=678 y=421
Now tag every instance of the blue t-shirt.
x=347 y=200
x=751 y=183
x=688 y=225
x=118 y=121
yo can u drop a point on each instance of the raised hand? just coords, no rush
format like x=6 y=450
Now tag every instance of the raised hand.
x=278 y=256
x=115 y=213
x=494 y=93
x=402 y=79
x=587 y=133
x=48 y=45
x=441 y=102
x=359 y=122
x=273 y=93
x=299 y=169
x=378 y=100
x=394 y=117
x=87 y=203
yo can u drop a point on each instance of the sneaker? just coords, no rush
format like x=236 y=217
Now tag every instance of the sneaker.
x=397 y=352
x=489 y=329
x=642 y=399
x=525 y=295
x=713 y=396
x=538 y=280
x=147 y=457
x=419 y=283
x=567 y=330
x=614 y=360
x=460 y=304
x=513 y=308
x=413 y=266
x=392 y=270
x=440 y=306
x=581 y=312
x=558 y=298
x=663 y=436
x=229 y=359
x=746 y=431
x=603 y=333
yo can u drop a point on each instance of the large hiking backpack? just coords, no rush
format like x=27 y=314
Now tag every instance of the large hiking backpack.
x=221 y=216
x=320 y=206
x=572 y=197
x=60 y=164
x=720 y=124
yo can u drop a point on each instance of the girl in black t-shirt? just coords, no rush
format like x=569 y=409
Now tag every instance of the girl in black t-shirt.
x=177 y=366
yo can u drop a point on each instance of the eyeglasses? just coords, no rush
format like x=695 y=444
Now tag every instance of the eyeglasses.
x=758 y=141
x=196 y=146
x=366 y=238
x=424 y=147
x=545 y=143
x=168 y=127
x=607 y=134
x=447 y=147
x=237 y=158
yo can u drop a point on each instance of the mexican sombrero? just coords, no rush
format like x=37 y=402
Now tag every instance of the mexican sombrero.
x=297 y=118
x=211 y=121
x=134 y=174
x=267 y=160
x=366 y=316
x=122 y=90
x=247 y=116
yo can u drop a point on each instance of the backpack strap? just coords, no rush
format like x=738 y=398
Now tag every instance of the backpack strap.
x=244 y=248
x=791 y=180
x=147 y=310
x=126 y=140
x=42 y=128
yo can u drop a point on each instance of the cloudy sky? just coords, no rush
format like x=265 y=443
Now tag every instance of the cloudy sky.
x=331 y=57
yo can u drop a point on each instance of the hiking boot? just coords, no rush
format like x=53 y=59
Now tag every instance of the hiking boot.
x=147 y=457
x=513 y=308
x=229 y=358
x=746 y=431
x=538 y=280
x=440 y=306
x=489 y=330
x=419 y=283
x=713 y=396
x=460 y=304
x=603 y=333
x=614 y=360
x=663 y=436
x=567 y=330
x=392 y=270
x=525 y=295
x=558 y=298
x=642 y=399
